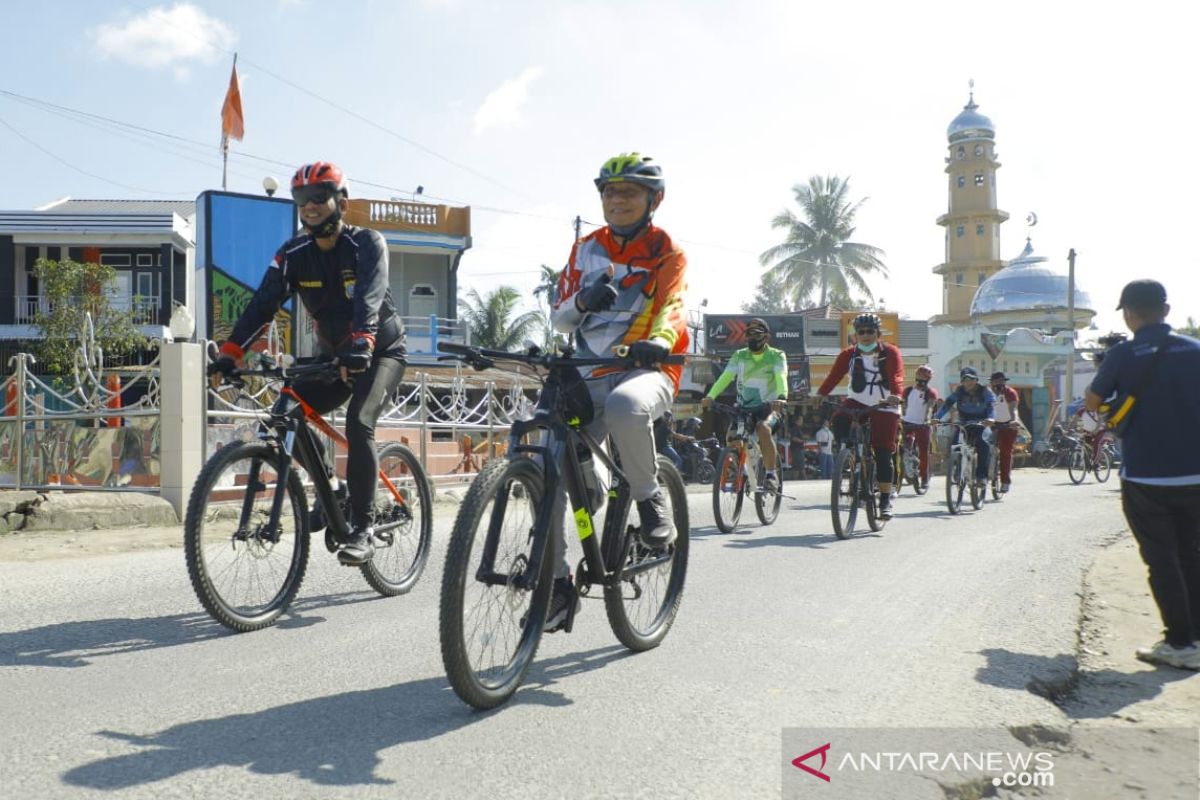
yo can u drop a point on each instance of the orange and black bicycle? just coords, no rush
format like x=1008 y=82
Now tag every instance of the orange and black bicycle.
x=740 y=472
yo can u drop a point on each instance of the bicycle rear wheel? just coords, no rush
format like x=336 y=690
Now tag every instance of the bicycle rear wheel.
x=844 y=493
x=912 y=470
x=727 y=497
x=244 y=572
x=490 y=625
x=643 y=603
x=978 y=490
x=766 y=504
x=401 y=551
x=1048 y=459
x=955 y=480
x=1077 y=466
x=1103 y=466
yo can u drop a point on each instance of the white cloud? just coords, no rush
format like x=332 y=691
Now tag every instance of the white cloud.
x=165 y=37
x=503 y=105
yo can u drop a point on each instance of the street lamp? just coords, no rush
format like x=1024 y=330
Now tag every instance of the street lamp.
x=270 y=185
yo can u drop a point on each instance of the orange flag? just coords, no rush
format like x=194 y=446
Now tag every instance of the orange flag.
x=231 y=113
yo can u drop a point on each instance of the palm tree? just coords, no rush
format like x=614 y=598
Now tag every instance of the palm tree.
x=490 y=323
x=547 y=286
x=817 y=255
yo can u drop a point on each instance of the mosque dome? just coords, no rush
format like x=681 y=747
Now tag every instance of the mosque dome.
x=970 y=124
x=1030 y=287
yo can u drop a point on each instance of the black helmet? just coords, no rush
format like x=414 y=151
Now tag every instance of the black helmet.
x=968 y=372
x=868 y=320
x=758 y=323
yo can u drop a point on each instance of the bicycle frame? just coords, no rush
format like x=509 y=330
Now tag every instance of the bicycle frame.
x=745 y=441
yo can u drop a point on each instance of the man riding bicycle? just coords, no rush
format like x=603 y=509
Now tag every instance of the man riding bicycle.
x=340 y=273
x=920 y=401
x=623 y=285
x=973 y=402
x=1006 y=425
x=761 y=372
x=876 y=371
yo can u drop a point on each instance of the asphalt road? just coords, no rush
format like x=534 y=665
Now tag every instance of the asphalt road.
x=114 y=683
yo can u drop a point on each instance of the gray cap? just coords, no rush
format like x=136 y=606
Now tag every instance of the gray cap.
x=1142 y=294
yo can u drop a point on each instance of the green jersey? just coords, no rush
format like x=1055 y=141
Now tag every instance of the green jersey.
x=761 y=377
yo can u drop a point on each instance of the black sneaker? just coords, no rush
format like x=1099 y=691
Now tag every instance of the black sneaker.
x=924 y=483
x=564 y=605
x=885 y=506
x=658 y=529
x=358 y=548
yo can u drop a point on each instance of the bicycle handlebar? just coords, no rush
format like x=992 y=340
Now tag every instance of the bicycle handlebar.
x=481 y=358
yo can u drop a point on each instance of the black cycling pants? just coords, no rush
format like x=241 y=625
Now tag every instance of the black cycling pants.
x=368 y=397
x=1165 y=521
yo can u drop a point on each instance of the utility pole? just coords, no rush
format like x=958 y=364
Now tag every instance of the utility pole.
x=1070 y=384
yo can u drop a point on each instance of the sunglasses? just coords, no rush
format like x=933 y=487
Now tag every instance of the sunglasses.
x=966 y=378
x=320 y=195
x=867 y=332
x=922 y=380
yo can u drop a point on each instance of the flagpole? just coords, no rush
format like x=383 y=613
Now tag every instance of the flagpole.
x=224 y=160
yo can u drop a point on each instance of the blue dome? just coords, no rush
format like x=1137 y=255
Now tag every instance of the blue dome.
x=1028 y=283
x=970 y=124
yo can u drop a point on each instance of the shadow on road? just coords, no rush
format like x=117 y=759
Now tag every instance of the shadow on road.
x=333 y=741
x=75 y=644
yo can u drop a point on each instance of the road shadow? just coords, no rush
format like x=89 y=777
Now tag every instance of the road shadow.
x=329 y=741
x=814 y=541
x=1100 y=694
x=1051 y=677
x=77 y=643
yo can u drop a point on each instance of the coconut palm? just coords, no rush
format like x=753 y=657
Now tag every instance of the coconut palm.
x=547 y=288
x=490 y=318
x=818 y=256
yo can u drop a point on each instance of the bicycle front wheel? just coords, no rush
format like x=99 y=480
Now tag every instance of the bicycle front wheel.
x=956 y=480
x=491 y=622
x=404 y=527
x=642 y=604
x=727 y=495
x=978 y=489
x=994 y=473
x=245 y=566
x=1077 y=466
x=844 y=493
x=766 y=504
x=1103 y=466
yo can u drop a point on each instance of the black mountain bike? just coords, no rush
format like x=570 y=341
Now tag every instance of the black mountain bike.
x=854 y=482
x=499 y=570
x=246 y=534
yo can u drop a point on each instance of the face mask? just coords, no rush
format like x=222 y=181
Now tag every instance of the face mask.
x=867 y=348
x=756 y=343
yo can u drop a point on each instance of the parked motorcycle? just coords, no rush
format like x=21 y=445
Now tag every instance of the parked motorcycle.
x=699 y=457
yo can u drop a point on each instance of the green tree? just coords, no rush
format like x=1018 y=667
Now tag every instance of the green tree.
x=1191 y=329
x=73 y=291
x=769 y=298
x=547 y=289
x=817 y=257
x=491 y=320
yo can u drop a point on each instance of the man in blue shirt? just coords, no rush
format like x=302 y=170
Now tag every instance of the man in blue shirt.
x=974 y=403
x=1160 y=470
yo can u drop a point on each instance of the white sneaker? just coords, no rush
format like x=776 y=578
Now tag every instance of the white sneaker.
x=1171 y=656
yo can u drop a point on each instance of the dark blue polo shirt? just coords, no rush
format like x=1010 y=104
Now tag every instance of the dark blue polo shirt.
x=1162 y=443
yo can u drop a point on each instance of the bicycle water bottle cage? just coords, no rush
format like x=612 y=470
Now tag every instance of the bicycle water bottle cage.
x=575 y=399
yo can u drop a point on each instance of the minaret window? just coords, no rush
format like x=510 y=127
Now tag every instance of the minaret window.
x=962 y=181
x=958 y=279
x=979 y=179
x=978 y=149
x=982 y=277
x=960 y=230
x=962 y=152
x=979 y=229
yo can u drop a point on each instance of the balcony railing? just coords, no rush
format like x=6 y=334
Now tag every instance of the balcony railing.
x=397 y=215
x=145 y=309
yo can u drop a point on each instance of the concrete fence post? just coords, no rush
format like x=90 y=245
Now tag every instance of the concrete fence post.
x=182 y=422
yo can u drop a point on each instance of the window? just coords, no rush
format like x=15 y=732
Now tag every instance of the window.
x=115 y=259
x=979 y=179
x=978 y=149
x=979 y=229
x=145 y=284
x=983 y=276
x=958 y=279
x=962 y=181
x=145 y=259
x=960 y=230
x=962 y=152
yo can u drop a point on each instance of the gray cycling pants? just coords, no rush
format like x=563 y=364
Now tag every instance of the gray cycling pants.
x=625 y=406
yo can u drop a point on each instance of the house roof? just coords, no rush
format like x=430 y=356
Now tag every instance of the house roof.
x=184 y=208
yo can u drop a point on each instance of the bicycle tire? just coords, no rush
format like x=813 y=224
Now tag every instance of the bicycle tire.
x=994 y=473
x=642 y=626
x=1102 y=469
x=727 y=503
x=843 y=494
x=955 y=485
x=1048 y=459
x=460 y=637
x=898 y=471
x=978 y=491
x=871 y=497
x=1077 y=465
x=766 y=504
x=210 y=540
x=912 y=471
x=401 y=556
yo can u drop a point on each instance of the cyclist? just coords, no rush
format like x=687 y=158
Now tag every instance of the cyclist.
x=623 y=285
x=973 y=402
x=340 y=273
x=1006 y=425
x=876 y=371
x=761 y=372
x=920 y=401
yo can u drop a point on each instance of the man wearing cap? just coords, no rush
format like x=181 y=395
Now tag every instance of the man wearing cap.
x=972 y=402
x=1006 y=425
x=1160 y=470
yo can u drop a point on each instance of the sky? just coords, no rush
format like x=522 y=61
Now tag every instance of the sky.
x=511 y=107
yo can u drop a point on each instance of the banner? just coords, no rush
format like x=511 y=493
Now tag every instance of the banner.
x=724 y=333
x=797 y=377
x=993 y=343
x=889 y=331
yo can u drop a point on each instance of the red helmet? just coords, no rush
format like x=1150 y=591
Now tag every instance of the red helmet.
x=320 y=172
x=926 y=369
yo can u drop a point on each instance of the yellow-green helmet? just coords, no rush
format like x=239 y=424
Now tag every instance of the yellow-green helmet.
x=632 y=168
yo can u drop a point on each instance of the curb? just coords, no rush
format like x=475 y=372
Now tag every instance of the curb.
x=75 y=511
